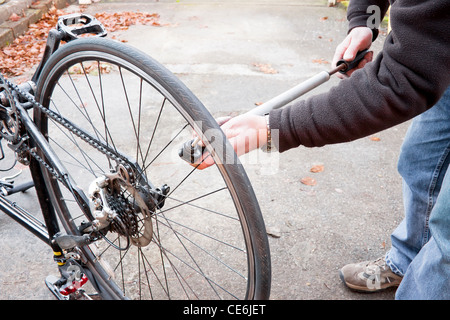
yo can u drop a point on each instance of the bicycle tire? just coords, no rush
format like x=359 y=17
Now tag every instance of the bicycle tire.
x=123 y=59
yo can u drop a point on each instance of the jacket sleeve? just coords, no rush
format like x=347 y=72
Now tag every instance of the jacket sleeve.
x=408 y=77
x=358 y=15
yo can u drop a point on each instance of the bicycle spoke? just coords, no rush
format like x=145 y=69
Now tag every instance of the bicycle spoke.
x=154 y=129
x=188 y=202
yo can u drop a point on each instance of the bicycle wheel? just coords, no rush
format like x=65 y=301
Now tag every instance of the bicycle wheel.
x=203 y=239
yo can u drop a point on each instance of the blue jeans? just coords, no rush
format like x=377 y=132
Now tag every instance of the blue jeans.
x=421 y=243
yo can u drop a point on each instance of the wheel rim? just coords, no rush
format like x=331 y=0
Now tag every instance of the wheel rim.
x=189 y=256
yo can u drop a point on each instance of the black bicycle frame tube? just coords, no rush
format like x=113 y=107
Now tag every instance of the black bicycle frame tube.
x=53 y=42
x=45 y=232
x=48 y=231
x=48 y=155
x=48 y=212
x=24 y=219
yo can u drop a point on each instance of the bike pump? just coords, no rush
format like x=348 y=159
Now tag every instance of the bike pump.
x=191 y=150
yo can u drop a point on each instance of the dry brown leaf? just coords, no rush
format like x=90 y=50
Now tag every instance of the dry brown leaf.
x=308 y=181
x=14 y=17
x=373 y=138
x=265 y=68
x=118 y=21
x=26 y=51
x=320 y=61
x=317 y=168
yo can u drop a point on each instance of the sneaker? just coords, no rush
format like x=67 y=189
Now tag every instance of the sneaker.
x=369 y=276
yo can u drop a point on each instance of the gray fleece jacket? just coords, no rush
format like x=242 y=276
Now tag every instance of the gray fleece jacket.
x=407 y=78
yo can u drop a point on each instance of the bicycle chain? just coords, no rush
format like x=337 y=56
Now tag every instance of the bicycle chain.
x=106 y=150
x=126 y=223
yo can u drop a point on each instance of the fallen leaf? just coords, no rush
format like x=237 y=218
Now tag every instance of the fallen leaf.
x=14 y=17
x=323 y=18
x=308 y=181
x=320 y=61
x=317 y=168
x=265 y=68
x=375 y=138
x=26 y=51
x=119 y=21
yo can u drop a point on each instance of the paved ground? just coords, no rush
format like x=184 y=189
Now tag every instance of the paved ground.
x=217 y=48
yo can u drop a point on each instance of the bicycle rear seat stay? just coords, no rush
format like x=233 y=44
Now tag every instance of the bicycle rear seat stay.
x=14 y=103
x=69 y=28
x=25 y=139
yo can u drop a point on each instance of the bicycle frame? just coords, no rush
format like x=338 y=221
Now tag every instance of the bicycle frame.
x=37 y=140
x=49 y=229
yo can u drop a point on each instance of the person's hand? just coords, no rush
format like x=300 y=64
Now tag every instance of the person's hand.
x=245 y=133
x=358 y=39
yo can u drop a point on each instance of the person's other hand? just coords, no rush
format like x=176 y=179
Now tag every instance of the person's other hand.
x=358 y=39
x=245 y=133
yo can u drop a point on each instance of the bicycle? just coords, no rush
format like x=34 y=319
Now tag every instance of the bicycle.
x=124 y=216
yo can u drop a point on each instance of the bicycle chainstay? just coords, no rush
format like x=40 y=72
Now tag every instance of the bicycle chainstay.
x=92 y=141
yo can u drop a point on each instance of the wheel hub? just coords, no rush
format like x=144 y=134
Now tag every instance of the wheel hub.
x=120 y=207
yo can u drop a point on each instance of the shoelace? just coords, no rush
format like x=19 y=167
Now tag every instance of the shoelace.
x=375 y=268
